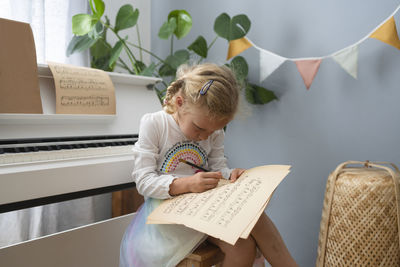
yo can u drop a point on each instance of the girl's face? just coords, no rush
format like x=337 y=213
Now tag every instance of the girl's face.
x=194 y=122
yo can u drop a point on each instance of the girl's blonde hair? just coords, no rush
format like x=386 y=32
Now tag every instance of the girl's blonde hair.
x=220 y=96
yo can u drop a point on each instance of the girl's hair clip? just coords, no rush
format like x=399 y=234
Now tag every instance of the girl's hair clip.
x=205 y=87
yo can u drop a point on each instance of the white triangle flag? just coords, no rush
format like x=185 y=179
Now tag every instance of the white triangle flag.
x=348 y=59
x=269 y=62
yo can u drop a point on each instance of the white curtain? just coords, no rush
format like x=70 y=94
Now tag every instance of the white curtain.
x=50 y=21
x=51 y=24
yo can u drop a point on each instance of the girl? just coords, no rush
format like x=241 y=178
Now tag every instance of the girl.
x=197 y=106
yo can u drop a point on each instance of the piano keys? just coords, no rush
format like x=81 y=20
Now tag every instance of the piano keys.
x=20 y=151
x=45 y=158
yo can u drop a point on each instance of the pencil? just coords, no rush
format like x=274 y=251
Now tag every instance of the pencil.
x=193 y=165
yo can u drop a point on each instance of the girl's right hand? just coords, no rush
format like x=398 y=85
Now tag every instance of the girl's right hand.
x=203 y=181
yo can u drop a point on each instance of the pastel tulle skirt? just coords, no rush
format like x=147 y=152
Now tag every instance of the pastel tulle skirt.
x=158 y=245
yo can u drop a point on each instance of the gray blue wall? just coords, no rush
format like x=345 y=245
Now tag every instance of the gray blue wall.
x=338 y=119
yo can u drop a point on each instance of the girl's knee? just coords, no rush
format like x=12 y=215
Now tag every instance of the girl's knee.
x=244 y=251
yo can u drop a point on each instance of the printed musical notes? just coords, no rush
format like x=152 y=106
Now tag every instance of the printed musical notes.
x=228 y=211
x=82 y=90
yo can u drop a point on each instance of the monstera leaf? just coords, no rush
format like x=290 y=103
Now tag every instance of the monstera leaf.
x=167 y=29
x=199 y=46
x=232 y=29
x=183 y=22
x=240 y=67
x=258 y=95
x=126 y=18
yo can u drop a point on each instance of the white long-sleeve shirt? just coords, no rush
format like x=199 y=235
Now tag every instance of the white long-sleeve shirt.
x=157 y=152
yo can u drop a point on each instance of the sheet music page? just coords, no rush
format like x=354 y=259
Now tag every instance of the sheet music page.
x=245 y=234
x=227 y=211
x=82 y=90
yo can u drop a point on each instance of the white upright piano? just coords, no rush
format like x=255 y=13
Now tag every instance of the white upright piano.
x=45 y=158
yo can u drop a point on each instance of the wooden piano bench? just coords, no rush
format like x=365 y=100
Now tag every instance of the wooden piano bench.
x=205 y=255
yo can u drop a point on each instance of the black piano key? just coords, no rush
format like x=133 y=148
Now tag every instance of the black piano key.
x=59 y=143
x=44 y=148
x=8 y=150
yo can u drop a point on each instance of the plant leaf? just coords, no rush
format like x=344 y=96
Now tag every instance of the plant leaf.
x=97 y=7
x=180 y=57
x=166 y=70
x=240 y=26
x=140 y=66
x=96 y=31
x=231 y=29
x=222 y=25
x=183 y=22
x=126 y=18
x=79 y=44
x=259 y=95
x=249 y=93
x=149 y=70
x=199 y=46
x=100 y=55
x=100 y=49
x=83 y=23
x=240 y=67
x=115 y=52
x=167 y=29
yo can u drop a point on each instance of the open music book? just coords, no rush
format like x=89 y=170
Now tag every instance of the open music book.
x=228 y=211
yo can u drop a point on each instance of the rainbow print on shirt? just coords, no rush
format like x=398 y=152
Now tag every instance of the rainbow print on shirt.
x=183 y=150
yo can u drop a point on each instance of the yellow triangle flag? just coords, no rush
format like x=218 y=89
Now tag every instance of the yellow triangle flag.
x=237 y=46
x=387 y=33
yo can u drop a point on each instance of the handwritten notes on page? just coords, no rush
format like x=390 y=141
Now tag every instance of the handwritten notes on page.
x=82 y=90
x=228 y=211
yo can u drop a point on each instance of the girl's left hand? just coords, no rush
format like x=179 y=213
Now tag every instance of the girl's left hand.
x=235 y=174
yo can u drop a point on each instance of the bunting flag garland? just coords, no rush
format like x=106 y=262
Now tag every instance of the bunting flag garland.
x=387 y=33
x=274 y=61
x=237 y=46
x=347 y=57
x=308 y=68
x=348 y=60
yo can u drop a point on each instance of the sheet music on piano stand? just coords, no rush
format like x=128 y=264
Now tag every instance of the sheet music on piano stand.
x=47 y=158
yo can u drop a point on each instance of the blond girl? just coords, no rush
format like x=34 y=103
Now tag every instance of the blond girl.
x=198 y=105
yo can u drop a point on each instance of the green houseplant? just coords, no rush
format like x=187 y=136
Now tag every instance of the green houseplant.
x=90 y=32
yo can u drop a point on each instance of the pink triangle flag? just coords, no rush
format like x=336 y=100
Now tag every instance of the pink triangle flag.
x=308 y=68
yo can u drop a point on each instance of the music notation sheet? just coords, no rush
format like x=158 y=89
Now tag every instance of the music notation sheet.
x=81 y=90
x=228 y=211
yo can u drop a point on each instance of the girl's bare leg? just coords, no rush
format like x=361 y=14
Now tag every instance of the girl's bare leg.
x=271 y=244
x=242 y=254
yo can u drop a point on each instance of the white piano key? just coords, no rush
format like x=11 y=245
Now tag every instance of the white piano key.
x=64 y=154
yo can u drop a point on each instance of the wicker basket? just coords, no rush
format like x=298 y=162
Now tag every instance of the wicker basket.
x=360 y=217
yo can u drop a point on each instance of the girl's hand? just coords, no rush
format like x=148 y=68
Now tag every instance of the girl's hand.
x=235 y=174
x=203 y=181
